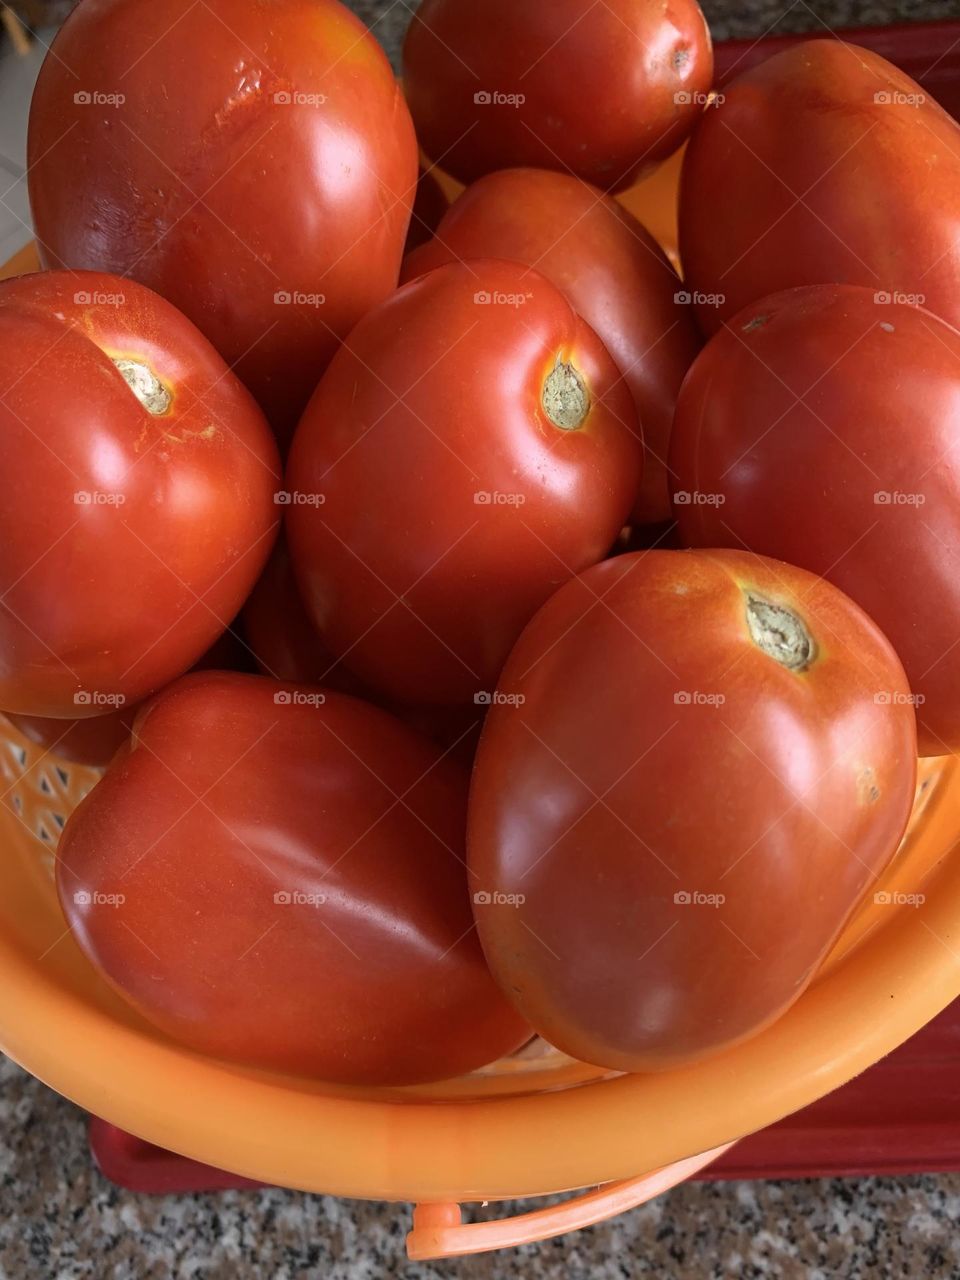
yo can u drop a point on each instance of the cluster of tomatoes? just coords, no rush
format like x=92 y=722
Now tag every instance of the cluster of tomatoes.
x=467 y=746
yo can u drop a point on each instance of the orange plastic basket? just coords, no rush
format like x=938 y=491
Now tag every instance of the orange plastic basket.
x=535 y=1124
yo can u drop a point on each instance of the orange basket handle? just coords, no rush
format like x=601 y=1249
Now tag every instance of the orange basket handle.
x=439 y=1232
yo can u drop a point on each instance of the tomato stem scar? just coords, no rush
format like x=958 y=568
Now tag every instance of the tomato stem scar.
x=145 y=385
x=565 y=398
x=780 y=634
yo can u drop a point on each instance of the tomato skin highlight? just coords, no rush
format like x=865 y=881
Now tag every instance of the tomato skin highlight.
x=612 y=272
x=435 y=505
x=109 y=591
x=259 y=172
x=603 y=92
x=668 y=827
x=825 y=164
x=823 y=428
x=297 y=917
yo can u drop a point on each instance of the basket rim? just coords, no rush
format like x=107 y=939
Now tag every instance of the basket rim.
x=874 y=997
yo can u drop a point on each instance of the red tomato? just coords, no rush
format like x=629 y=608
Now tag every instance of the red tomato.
x=823 y=428
x=611 y=270
x=155 y=472
x=700 y=763
x=428 y=209
x=470 y=448
x=823 y=165
x=253 y=163
x=325 y=930
x=603 y=91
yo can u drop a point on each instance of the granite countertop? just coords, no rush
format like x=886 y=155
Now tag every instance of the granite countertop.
x=61 y=1219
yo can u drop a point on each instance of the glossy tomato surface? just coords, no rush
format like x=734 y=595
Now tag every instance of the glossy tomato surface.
x=610 y=269
x=602 y=91
x=699 y=763
x=823 y=427
x=254 y=163
x=245 y=876
x=471 y=447
x=823 y=165
x=137 y=481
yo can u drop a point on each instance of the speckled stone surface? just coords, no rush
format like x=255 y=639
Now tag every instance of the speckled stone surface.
x=60 y=1219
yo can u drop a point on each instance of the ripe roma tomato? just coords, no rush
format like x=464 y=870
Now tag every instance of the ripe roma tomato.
x=470 y=448
x=253 y=163
x=698 y=765
x=296 y=915
x=823 y=428
x=136 y=494
x=823 y=165
x=603 y=91
x=612 y=272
